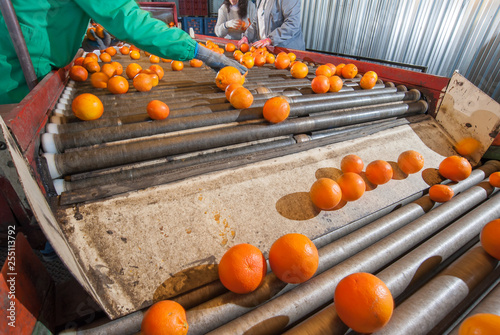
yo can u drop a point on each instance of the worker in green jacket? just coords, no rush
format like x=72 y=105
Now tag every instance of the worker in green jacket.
x=54 y=31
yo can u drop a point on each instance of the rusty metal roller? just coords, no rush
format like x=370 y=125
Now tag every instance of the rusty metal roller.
x=134 y=151
x=54 y=143
x=489 y=304
x=275 y=315
x=428 y=306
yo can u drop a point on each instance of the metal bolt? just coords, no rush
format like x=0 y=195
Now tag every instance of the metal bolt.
x=3 y=146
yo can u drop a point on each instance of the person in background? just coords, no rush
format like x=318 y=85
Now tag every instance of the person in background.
x=234 y=18
x=277 y=23
x=54 y=31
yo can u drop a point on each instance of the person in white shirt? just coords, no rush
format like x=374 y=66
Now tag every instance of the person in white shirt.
x=277 y=23
x=234 y=18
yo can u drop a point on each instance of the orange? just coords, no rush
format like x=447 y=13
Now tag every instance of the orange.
x=333 y=67
x=230 y=88
x=195 y=63
x=244 y=47
x=248 y=61
x=230 y=47
x=480 y=324
x=467 y=146
x=143 y=82
x=368 y=80
x=441 y=193
x=349 y=71
x=91 y=55
x=363 y=302
x=490 y=238
x=109 y=69
x=89 y=34
x=78 y=73
x=238 y=55
x=325 y=193
x=336 y=83
x=124 y=50
x=118 y=68
x=270 y=59
x=352 y=185
x=133 y=47
x=260 y=60
x=292 y=56
x=410 y=161
x=455 y=168
x=135 y=54
x=92 y=66
x=158 y=70
x=242 y=268
x=495 y=179
x=154 y=59
x=276 y=109
x=228 y=75
x=164 y=318
x=105 y=57
x=177 y=65
x=157 y=110
x=99 y=80
x=165 y=60
x=379 y=172
x=99 y=30
x=299 y=70
x=147 y=54
x=111 y=51
x=338 y=70
x=241 y=98
x=324 y=70
x=282 y=61
x=293 y=258
x=87 y=107
x=132 y=70
x=320 y=84
x=351 y=163
x=79 y=61
x=118 y=85
x=154 y=77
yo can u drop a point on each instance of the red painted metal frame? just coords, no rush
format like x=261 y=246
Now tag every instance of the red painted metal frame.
x=161 y=5
x=431 y=86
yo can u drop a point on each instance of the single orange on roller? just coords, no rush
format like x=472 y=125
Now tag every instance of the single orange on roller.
x=352 y=163
x=177 y=65
x=299 y=70
x=363 y=302
x=143 y=82
x=230 y=47
x=495 y=179
x=480 y=324
x=118 y=85
x=242 y=268
x=241 y=98
x=195 y=62
x=379 y=172
x=165 y=317
x=293 y=258
x=440 y=193
x=157 y=110
x=352 y=185
x=228 y=75
x=87 y=107
x=410 y=161
x=336 y=83
x=276 y=109
x=282 y=61
x=320 y=84
x=324 y=70
x=230 y=88
x=132 y=70
x=455 y=168
x=490 y=238
x=349 y=71
x=325 y=193
x=99 y=79
x=368 y=80
x=158 y=70
x=78 y=73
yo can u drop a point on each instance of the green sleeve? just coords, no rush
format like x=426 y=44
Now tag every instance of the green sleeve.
x=127 y=22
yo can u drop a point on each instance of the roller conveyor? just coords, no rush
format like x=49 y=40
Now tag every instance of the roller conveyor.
x=132 y=193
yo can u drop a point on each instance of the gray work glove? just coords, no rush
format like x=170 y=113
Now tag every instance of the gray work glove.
x=99 y=43
x=217 y=61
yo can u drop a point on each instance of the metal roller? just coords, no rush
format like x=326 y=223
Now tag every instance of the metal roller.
x=489 y=304
x=55 y=143
x=318 y=291
x=428 y=306
x=85 y=160
x=384 y=218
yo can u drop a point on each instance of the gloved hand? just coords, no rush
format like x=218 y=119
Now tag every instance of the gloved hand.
x=243 y=40
x=217 y=61
x=99 y=43
x=262 y=43
x=233 y=24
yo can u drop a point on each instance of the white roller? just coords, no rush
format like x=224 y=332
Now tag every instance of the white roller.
x=63 y=100
x=52 y=128
x=51 y=164
x=48 y=144
x=55 y=119
x=59 y=185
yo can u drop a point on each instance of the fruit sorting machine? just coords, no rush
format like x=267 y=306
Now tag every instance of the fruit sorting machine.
x=141 y=211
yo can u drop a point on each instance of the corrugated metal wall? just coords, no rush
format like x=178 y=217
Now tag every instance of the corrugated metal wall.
x=443 y=35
